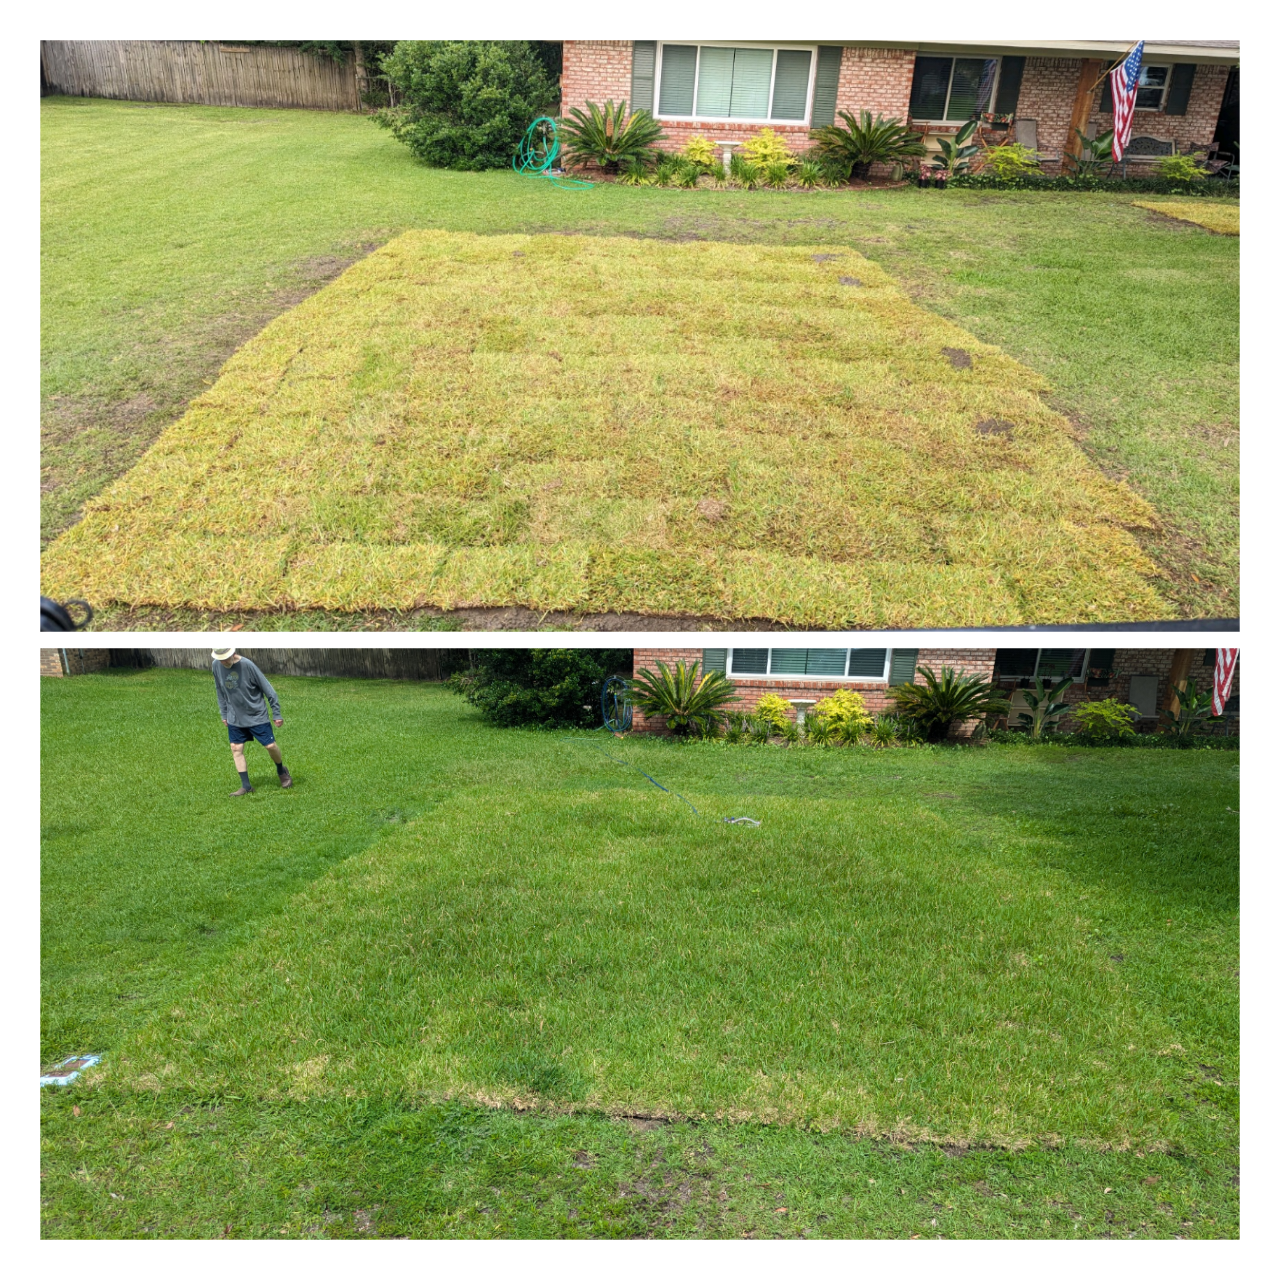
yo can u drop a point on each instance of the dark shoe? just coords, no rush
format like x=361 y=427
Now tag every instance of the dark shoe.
x=286 y=778
x=244 y=791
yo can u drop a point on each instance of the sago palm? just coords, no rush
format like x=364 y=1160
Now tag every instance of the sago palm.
x=609 y=137
x=690 y=705
x=850 y=150
x=933 y=707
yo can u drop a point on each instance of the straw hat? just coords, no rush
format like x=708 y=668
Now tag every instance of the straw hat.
x=223 y=654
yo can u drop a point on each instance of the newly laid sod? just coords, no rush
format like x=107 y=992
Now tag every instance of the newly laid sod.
x=1215 y=215
x=615 y=424
x=950 y=991
x=172 y=234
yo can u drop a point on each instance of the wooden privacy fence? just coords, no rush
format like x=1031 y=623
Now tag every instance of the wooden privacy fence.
x=203 y=71
x=378 y=664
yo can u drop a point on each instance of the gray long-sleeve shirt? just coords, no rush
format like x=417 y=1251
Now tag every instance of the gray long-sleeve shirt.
x=243 y=694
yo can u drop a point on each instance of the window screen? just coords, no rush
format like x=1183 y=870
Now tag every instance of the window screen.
x=1055 y=664
x=675 y=96
x=1151 y=83
x=868 y=663
x=714 y=660
x=750 y=662
x=929 y=88
x=791 y=84
x=1017 y=664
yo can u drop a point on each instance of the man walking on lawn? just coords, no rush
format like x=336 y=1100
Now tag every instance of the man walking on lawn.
x=243 y=693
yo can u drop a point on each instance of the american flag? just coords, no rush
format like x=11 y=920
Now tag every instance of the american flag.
x=1224 y=670
x=1124 y=96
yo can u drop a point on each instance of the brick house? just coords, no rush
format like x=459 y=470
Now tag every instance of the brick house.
x=728 y=90
x=1145 y=678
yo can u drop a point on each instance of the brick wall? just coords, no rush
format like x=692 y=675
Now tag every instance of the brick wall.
x=79 y=661
x=875 y=80
x=1141 y=662
x=1191 y=132
x=594 y=71
x=875 y=694
x=1047 y=96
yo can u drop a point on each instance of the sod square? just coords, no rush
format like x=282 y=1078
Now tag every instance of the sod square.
x=620 y=424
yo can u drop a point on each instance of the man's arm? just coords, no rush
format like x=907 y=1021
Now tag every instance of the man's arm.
x=217 y=688
x=268 y=692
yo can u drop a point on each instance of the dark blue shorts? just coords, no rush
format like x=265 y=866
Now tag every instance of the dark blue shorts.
x=263 y=732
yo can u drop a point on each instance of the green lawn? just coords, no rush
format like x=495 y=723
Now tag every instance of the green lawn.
x=171 y=234
x=956 y=992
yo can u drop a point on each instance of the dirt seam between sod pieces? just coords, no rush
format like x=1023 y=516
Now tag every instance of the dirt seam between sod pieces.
x=608 y=424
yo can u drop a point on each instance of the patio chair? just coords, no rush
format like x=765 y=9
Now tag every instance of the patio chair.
x=1025 y=134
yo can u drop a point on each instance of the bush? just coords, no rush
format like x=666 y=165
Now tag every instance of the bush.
x=465 y=104
x=1107 y=720
x=810 y=174
x=745 y=173
x=1181 y=168
x=700 y=151
x=543 y=688
x=607 y=136
x=846 y=713
x=775 y=711
x=1009 y=160
x=690 y=706
x=849 y=150
x=1153 y=186
x=933 y=707
x=767 y=148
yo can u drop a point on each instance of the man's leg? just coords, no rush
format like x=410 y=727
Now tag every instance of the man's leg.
x=237 y=755
x=273 y=750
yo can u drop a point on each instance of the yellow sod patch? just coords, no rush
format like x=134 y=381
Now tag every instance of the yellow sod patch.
x=1223 y=218
x=570 y=422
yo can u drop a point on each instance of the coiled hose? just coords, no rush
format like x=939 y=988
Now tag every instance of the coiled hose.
x=537 y=153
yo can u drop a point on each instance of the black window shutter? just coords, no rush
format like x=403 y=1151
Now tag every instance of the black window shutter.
x=1108 y=102
x=714 y=660
x=825 y=84
x=644 y=53
x=1009 y=86
x=1175 y=103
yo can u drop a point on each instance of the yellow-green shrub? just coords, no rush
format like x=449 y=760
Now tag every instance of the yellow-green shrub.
x=845 y=712
x=700 y=150
x=775 y=711
x=766 y=148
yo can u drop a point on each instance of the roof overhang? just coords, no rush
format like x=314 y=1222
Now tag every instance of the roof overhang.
x=1221 y=52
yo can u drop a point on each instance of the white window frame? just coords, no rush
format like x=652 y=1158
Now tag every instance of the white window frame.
x=736 y=44
x=781 y=677
x=995 y=88
x=1164 y=92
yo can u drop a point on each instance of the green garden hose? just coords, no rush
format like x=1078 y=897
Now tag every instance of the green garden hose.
x=537 y=153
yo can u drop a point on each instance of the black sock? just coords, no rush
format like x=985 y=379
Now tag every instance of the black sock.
x=280 y=767
x=244 y=780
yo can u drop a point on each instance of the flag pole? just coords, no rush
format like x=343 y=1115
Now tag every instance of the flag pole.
x=1119 y=62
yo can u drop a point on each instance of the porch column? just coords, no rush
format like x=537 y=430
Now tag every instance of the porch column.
x=1090 y=70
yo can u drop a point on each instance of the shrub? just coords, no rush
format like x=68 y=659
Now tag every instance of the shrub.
x=777 y=174
x=1009 y=160
x=689 y=705
x=665 y=171
x=933 y=707
x=700 y=151
x=465 y=104
x=775 y=711
x=1181 y=168
x=819 y=731
x=849 y=150
x=847 y=714
x=1107 y=720
x=767 y=148
x=956 y=154
x=1094 y=157
x=545 y=688
x=1152 y=186
x=810 y=174
x=1043 y=707
x=686 y=174
x=1194 y=708
x=607 y=136
x=635 y=173
x=744 y=172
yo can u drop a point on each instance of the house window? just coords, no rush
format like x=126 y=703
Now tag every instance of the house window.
x=750 y=83
x=822 y=664
x=952 y=90
x=1046 y=664
x=1152 y=83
